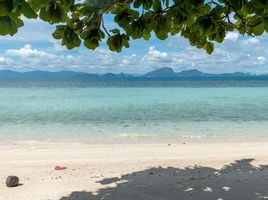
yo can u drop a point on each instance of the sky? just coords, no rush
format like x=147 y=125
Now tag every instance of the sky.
x=33 y=48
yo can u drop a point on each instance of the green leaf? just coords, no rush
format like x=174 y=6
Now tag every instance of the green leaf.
x=146 y=36
x=77 y=25
x=19 y=22
x=27 y=10
x=115 y=43
x=91 y=44
x=53 y=13
x=157 y=6
x=37 y=4
x=167 y=3
x=265 y=21
x=258 y=29
x=162 y=35
x=209 y=47
x=70 y=39
x=125 y=42
x=59 y=32
x=115 y=31
x=7 y=26
x=147 y=4
x=6 y=7
x=137 y=3
x=236 y=4
x=197 y=26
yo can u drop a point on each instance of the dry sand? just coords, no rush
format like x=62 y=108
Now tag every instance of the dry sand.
x=216 y=171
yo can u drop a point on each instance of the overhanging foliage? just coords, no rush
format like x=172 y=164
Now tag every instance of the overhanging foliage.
x=201 y=22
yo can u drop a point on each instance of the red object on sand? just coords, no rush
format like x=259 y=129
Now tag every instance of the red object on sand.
x=59 y=168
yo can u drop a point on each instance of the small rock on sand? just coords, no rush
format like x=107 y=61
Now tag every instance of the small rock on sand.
x=12 y=181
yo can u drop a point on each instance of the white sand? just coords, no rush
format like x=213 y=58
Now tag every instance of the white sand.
x=219 y=171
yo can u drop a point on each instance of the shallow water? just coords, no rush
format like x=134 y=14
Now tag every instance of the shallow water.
x=92 y=113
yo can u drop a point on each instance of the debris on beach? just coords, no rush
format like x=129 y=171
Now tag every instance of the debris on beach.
x=12 y=181
x=60 y=168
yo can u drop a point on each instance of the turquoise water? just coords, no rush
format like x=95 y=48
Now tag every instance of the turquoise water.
x=114 y=113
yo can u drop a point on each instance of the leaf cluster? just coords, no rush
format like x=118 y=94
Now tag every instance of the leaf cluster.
x=201 y=22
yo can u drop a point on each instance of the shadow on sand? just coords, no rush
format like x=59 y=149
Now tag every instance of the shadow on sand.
x=237 y=181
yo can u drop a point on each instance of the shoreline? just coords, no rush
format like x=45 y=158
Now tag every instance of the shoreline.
x=137 y=140
x=147 y=171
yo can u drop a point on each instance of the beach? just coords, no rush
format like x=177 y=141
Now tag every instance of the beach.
x=194 y=143
x=214 y=170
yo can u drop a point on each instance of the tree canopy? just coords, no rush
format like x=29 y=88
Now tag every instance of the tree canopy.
x=201 y=22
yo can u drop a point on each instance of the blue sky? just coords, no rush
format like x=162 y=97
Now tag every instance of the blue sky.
x=33 y=48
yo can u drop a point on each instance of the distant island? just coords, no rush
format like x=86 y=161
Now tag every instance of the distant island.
x=162 y=73
x=169 y=72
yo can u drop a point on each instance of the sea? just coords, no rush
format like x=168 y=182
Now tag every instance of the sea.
x=133 y=110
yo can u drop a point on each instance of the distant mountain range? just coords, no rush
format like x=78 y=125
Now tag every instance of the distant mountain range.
x=164 y=72
x=169 y=72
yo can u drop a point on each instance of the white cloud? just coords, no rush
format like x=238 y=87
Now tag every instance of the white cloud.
x=129 y=60
x=233 y=36
x=156 y=54
x=102 y=60
x=28 y=52
x=246 y=54
x=250 y=41
x=236 y=53
x=59 y=47
x=3 y=60
x=261 y=60
x=154 y=57
x=230 y=56
x=126 y=61
x=253 y=40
